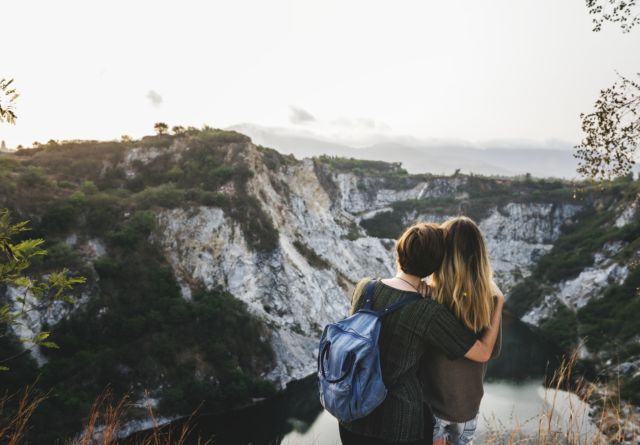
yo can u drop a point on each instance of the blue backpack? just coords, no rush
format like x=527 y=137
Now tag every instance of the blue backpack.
x=349 y=372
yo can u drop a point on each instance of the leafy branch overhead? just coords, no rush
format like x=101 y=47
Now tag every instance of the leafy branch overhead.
x=612 y=132
x=622 y=12
x=8 y=97
x=15 y=259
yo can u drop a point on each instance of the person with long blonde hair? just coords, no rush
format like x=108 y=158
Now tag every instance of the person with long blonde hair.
x=464 y=284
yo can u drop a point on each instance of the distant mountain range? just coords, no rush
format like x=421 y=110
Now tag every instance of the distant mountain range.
x=439 y=157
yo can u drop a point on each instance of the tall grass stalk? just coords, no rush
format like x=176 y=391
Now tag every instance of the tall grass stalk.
x=593 y=415
x=102 y=426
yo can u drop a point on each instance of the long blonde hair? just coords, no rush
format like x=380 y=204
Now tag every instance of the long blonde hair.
x=463 y=282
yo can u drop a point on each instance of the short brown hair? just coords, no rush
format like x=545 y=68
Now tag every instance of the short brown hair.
x=420 y=249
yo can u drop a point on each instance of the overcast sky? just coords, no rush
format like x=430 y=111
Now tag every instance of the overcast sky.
x=466 y=69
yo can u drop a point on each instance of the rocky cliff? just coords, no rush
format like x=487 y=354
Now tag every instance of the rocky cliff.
x=305 y=281
x=288 y=238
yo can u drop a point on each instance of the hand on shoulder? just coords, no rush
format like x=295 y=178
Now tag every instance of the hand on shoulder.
x=425 y=289
x=497 y=293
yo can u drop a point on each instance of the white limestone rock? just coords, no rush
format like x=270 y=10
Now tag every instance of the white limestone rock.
x=517 y=235
x=579 y=291
x=34 y=314
x=627 y=215
x=95 y=248
x=363 y=194
x=520 y=233
x=280 y=287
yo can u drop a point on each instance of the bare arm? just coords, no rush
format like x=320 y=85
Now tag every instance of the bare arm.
x=482 y=349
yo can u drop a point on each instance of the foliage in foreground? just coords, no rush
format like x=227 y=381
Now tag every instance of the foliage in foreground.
x=15 y=259
x=589 y=415
x=136 y=332
x=8 y=97
x=612 y=131
x=101 y=427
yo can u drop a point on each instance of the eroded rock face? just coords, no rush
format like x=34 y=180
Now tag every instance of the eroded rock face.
x=281 y=287
x=321 y=252
x=294 y=296
x=589 y=285
x=518 y=234
x=359 y=195
x=577 y=292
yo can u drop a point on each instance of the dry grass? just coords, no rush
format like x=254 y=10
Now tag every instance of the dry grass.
x=13 y=425
x=105 y=420
x=593 y=415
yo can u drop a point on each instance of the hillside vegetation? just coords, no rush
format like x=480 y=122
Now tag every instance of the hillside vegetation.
x=608 y=325
x=136 y=332
x=96 y=204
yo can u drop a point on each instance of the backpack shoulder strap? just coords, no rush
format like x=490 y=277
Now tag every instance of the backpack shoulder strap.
x=368 y=295
x=395 y=306
x=368 y=301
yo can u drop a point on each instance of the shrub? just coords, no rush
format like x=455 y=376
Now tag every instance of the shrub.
x=59 y=255
x=312 y=257
x=165 y=195
x=102 y=212
x=630 y=390
x=561 y=328
x=273 y=159
x=256 y=224
x=361 y=166
x=78 y=160
x=384 y=225
x=574 y=249
x=391 y=224
x=88 y=188
x=158 y=141
x=137 y=228
x=214 y=136
x=524 y=295
x=33 y=177
x=611 y=321
x=59 y=218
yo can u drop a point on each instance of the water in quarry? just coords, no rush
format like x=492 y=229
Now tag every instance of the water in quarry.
x=514 y=400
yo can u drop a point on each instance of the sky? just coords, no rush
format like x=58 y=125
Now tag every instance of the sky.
x=466 y=70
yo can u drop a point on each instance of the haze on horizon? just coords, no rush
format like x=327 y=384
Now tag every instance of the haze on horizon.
x=354 y=72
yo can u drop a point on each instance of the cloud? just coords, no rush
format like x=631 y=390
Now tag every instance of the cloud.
x=299 y=116
x=361 y=123
x=154 y=98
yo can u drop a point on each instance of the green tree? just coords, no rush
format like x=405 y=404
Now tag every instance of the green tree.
x=623 y=12
x=612 y=129
x=178 y=130
x=161 y=128
x=8 y=97
x=15 y=259
x=612 y=132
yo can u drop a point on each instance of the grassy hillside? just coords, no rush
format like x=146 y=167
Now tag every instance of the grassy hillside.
x=609 y=325
x=137 y=332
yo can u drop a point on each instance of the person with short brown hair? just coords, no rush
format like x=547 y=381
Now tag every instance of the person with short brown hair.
x=420 y=249
x=404 y=337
